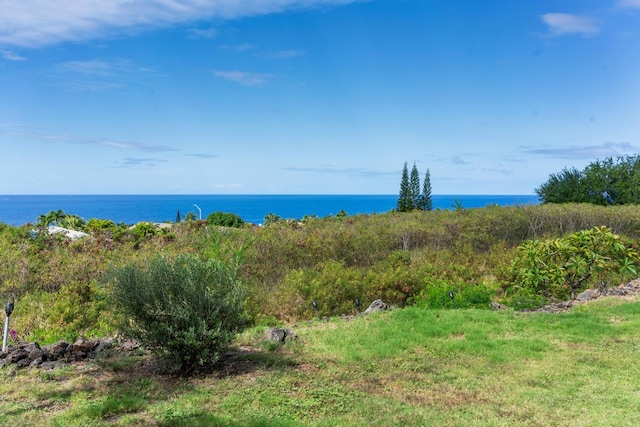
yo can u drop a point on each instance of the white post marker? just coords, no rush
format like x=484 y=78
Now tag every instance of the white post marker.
x=199 y=210
x=8 y=309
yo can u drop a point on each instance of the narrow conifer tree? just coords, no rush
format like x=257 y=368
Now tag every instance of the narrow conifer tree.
x=178 y=216
x=425 y=198
x=414 y=188
x=404 y=199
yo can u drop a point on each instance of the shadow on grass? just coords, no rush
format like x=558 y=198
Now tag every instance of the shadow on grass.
x=247 y=360
x=208 y=420
x=129 y=384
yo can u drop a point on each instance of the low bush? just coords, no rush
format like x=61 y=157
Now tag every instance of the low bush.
x=442 y=294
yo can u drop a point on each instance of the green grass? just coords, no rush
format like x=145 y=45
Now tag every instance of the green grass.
x=404 y=367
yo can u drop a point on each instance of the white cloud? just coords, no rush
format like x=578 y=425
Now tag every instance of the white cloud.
x=631 y=4
x=565 y=23
x=243 y=77
x=11 y=56
x=34 y=23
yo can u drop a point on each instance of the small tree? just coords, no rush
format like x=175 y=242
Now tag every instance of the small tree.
x=414 y=188
x=178 y=216
x=426 y=201
x=271 y=218
x=405 y=203
x=186 y=310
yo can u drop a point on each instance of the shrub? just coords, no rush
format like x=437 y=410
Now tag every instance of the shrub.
x=74 y=310
x=562 y=267
x=333 y=286
x=225 y=219
x=185 y=310
x=95 y=225
x=144 y=230
x=442 y=294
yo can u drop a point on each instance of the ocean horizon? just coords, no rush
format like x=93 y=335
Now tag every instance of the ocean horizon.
x=17 y=210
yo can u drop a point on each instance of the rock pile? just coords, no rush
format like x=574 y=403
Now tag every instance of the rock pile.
x=32 y=355
x=376 y=306
x=626 y=289
x=281 y=335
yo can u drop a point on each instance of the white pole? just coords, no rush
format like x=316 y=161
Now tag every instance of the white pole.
x=199 y=210
x=6 y=334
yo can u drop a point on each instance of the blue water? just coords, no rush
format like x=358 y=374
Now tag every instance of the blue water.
x=130 y=209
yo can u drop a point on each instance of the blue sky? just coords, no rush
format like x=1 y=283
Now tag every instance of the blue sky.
x=312 y=96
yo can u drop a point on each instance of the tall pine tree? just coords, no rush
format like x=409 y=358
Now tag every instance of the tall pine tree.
x=425 y=198
x=404 y=199
x=414 y=188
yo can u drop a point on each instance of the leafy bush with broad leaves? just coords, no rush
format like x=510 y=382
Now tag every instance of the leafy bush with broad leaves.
x=186 y=310
x=559 y=268
x=144 y=230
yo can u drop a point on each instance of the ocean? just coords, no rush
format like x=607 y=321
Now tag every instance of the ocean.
x=17 y=210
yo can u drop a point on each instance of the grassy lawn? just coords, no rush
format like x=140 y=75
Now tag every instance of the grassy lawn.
x=403 y=367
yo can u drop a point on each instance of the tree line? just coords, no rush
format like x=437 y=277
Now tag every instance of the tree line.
x=412 y=195
x=603 y=182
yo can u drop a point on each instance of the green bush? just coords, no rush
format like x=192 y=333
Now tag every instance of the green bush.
x=73 y=311
x=560 y=268
x=333 y=286
x=186 y=310
x=144 y=230
x=442 y=294
x=225 y=219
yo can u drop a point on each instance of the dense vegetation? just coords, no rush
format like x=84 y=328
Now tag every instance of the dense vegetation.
x=602 y=182
x=418 y=257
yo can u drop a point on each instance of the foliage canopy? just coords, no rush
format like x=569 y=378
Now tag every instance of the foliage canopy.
x=603 y=182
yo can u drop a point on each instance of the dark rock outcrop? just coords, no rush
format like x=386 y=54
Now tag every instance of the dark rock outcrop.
x=26 y=354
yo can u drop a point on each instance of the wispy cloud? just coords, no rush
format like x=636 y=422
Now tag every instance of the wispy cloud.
x=282 y=54
x=203 y=33
x=243 y=77
x=457 y=160
x=202 y=155
x=560 y=24
x=132 y=162
x=608 y=149
x=34 y=23
x=628 y=4
x=361 y=172
x=242 y=47
x=98 y=75
x=11 y=56
x=103 y=142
